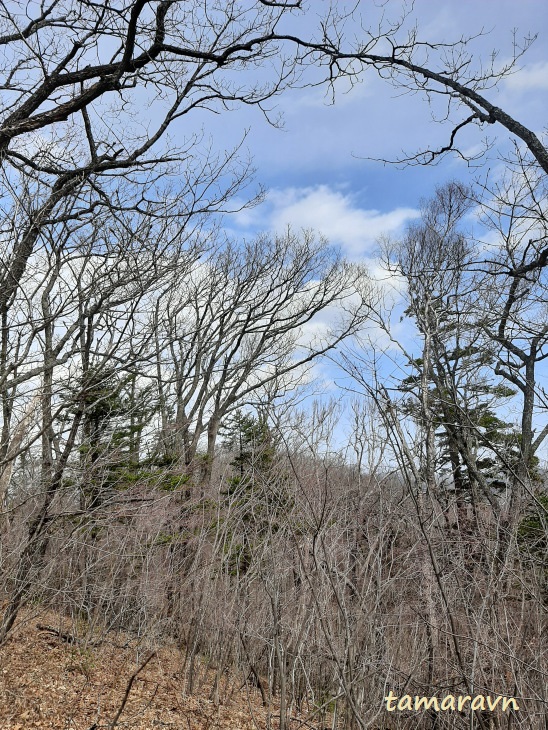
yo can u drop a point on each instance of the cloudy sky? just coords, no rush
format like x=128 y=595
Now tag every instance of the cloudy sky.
x=316 y=169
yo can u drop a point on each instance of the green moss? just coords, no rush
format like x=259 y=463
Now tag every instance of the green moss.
x=170 y=538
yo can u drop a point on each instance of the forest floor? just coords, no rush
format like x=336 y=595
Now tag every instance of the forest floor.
x=49 y=682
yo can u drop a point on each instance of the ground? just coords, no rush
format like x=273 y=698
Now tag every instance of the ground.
x=48 y=682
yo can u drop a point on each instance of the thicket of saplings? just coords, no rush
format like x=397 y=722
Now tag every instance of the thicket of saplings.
x=323 y=579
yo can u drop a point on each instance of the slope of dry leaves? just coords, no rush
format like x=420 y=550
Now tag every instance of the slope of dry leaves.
x=49 y=682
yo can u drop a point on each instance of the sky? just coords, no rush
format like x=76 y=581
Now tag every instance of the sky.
x=316 y=169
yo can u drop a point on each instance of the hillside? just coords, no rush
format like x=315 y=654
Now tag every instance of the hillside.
x=50 y=683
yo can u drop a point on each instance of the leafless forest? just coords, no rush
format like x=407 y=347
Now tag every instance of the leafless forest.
x=167 y=465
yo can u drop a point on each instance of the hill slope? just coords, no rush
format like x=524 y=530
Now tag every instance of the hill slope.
x=51 y=680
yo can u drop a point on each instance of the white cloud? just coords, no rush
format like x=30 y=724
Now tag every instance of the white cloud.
x=330 y=213
x=534 y=76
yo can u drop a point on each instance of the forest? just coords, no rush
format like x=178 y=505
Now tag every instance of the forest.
x=173 y=469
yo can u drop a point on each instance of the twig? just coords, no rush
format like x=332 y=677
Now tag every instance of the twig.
x=128 y=690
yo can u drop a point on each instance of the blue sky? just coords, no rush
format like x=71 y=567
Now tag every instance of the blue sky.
x=316 y=169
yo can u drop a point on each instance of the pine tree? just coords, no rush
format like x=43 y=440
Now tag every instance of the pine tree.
x=256 y=490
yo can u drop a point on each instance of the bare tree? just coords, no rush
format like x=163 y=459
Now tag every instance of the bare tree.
x=235 y=331
x=74 y=330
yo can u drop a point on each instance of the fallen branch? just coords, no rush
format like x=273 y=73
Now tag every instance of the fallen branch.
x=67 y=638
x=128 y=690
